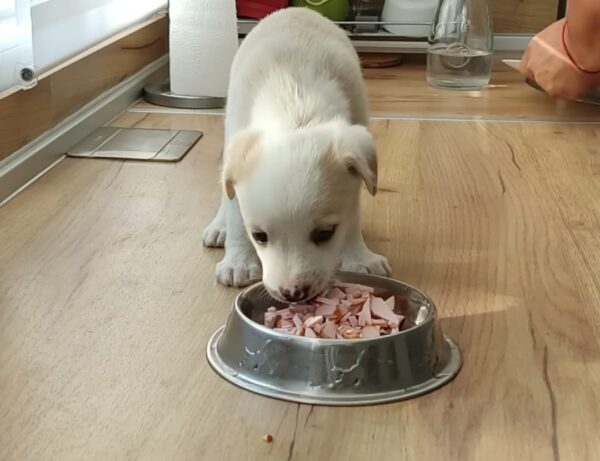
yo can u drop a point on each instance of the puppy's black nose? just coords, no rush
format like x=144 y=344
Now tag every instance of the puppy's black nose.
x=296 y=294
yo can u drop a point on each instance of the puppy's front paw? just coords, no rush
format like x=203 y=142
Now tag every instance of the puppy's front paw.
x=239 y=270
x=365 y=261
x=214 y=234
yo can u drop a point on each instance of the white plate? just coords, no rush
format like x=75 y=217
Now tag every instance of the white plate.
x=513 y=63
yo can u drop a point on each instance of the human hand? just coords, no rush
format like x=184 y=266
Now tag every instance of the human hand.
x=546 y=62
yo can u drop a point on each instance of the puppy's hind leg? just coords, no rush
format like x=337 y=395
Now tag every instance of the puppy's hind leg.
x=240 y=266
x=356 y=257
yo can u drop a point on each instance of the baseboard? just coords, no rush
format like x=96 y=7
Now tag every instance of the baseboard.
x=20 y=168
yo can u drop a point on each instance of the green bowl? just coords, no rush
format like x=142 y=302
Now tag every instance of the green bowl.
x=336 y=10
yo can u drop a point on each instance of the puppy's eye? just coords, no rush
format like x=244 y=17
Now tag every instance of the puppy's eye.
x=320 y=236
x=260 y=237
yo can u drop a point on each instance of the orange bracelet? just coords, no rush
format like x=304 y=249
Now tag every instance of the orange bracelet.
x=570 y=56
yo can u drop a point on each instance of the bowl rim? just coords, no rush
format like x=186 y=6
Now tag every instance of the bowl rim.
x=431 y=314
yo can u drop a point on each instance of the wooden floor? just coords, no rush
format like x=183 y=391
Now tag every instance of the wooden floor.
x=108 y=299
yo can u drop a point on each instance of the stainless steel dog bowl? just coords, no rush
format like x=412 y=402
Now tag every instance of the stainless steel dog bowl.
x=338 y=371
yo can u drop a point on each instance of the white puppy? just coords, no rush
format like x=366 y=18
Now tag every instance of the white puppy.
x=296 y=151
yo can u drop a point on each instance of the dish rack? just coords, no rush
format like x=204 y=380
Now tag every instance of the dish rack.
x=370 y=33
x=379 y=41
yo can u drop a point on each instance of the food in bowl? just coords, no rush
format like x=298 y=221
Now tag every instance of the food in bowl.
x=346 y=311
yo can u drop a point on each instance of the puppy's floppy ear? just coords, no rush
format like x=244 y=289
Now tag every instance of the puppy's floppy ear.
x=240 y=156
x=357 y=151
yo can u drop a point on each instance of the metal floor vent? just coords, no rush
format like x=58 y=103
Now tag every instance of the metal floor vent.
x=136 y=144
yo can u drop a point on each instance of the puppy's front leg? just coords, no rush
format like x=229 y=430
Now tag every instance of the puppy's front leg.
x=240 y=265
x=356 y=257
x=215 y=232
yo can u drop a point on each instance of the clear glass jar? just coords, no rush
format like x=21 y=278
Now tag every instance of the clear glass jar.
x=461 y=45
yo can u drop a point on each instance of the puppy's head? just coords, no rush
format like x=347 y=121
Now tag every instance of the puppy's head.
x=299 y=196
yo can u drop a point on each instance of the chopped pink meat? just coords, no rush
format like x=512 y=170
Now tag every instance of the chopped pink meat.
x=302 y=308
x=297 y=321
x=391 y=303
x=329 y=330
x=380 y=309
x=351 y=333
x=347 y=311
x=355 y=292
x=345 y=318
x=335 y=293
x=331 y=302
x=270 y=318
x=358 y=301
x=284 y=323
x=370 y=331
x=379 y=322
x=325 y=309
x=309 y=333
x=364 y=318
x=343 y=310
x=310 y=322
x=355 y=310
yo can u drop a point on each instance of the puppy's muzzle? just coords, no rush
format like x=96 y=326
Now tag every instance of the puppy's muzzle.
x=295 y=294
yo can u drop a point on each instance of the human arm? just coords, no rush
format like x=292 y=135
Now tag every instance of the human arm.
x=560 y=73
x=582 y=33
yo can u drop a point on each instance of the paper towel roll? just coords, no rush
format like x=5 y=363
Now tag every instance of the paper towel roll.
x=203 y=40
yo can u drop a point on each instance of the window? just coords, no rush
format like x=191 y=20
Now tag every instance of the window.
x=7 y=9
x=64 y=28
x=15 y=41
x=49 y=32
